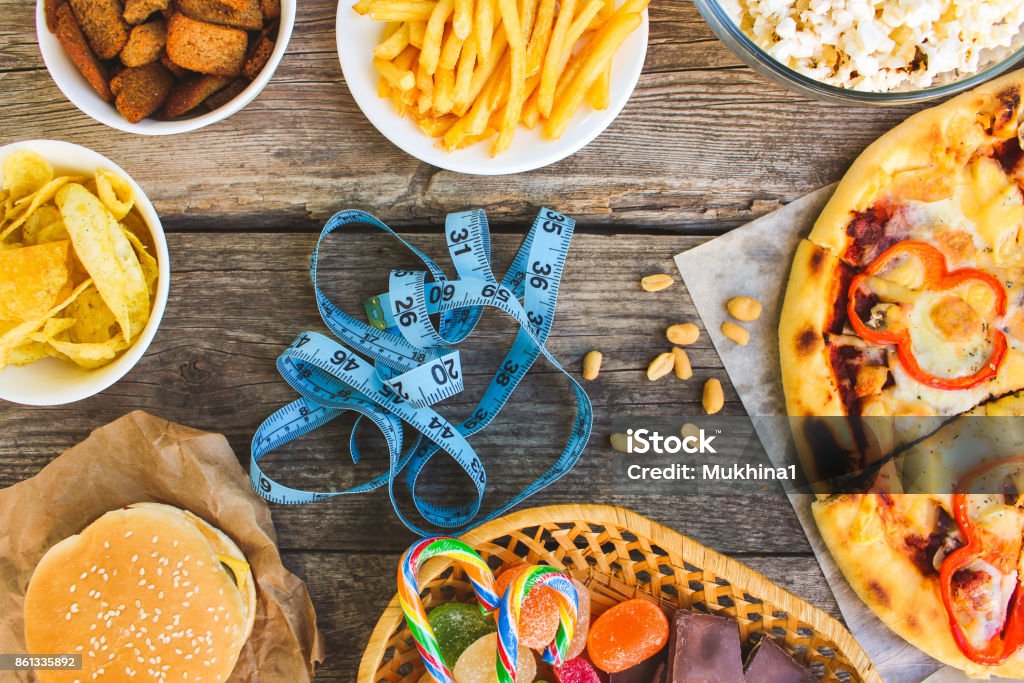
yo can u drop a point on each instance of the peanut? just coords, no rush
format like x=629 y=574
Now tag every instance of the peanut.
x=620 y=442
x=592 y=364
x=660 y=366
x=681 y=363
x=690 y=429
x=683 y=334
x=736 y=332
x=744 y=308
x=656 y=283
x=713 y=398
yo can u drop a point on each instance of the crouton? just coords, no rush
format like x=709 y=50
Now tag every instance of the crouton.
x=77 y=47
x=102 y=24
x=237 y=5
x=188 y=94
x=271 y=9
x=145 y=43
x=178 y=72
x=258 y=57
x=142 y=90
x=50 y=8
x=226 y=94
x=137 y=11
x=206 y=48
x=249 y=17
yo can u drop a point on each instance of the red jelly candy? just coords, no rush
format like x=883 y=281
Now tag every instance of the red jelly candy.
x=626 y=635
x=576 y=670
x=538 y=620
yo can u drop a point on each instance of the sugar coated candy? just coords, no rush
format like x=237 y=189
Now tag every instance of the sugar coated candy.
x=582 y=628
x=538 y=620
x=626 y=635
x=577 y=670
x=457 y=625
x=478 y=664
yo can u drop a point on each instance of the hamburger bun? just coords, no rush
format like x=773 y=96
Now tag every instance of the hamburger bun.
x=147 y=592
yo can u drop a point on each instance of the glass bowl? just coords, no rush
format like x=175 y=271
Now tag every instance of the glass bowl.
x=994 y=62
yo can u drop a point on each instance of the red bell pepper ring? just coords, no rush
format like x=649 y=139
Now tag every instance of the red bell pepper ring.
x=1011 y=636
x=937 y=278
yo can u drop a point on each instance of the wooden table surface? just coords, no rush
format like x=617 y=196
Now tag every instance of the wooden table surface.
x=704 y=145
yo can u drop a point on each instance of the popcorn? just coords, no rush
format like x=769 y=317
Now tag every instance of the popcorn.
x=880 y=45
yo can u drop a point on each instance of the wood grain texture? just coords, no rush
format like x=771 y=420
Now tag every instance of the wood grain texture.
x=238 y=299
x=703 y=145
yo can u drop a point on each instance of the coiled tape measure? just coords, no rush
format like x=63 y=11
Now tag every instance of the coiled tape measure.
x=413 y=366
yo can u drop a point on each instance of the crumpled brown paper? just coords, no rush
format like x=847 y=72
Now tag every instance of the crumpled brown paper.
x=144 y=458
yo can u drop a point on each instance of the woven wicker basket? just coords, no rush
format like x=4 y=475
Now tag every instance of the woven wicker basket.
x=619 y=555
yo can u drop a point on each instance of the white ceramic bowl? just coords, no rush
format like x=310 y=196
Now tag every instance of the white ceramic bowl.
x=49 y=382
x=74 y=86
x=357 y=36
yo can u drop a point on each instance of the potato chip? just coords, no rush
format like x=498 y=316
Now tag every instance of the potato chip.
x=115 y=192
x=150 y=269
x=15 y=335
x=24 y=172
x=54 y=232
x=32 y=279
x=39 y=219
x=91 y=355
x=27 y=205
x=108 y=256
x=93 y=320
x=28 y=352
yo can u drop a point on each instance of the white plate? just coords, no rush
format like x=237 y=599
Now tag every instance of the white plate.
x=357 y=36
x=50 y=382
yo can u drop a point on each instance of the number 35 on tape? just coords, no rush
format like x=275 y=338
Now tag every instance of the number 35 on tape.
x=394 y=368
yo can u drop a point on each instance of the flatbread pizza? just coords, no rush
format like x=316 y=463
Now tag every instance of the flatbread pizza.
x=907 y=301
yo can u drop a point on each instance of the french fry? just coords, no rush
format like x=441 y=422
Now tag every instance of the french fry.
x=431 y=51
x=540 y=36
x=392 y=46
x=462 y=19
x=416 y=31
x=599 y=94
x=483 y=27
x=488 y=64
x=464 y=76
x=517 y=73
x=531 y=114
x=527 y=14
x=601 y=49
x=425 y=84
x=401 y=10
x=397 y=77
x=444 y=91
x=582 y=23
x=383 y=88
x=554 y=60
x=450 y=51
x=363 y=6
x=436 y=126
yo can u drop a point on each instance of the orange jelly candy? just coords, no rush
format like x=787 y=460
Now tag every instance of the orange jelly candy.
x=626 y=635
x=538 y=620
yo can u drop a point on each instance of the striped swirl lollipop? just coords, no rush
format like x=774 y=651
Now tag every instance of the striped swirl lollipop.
x=511 y=609
x=476 y=569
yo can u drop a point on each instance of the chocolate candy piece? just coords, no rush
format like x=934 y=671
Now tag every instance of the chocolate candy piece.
x=644 y=672
x=769 y=663
x=704 y=648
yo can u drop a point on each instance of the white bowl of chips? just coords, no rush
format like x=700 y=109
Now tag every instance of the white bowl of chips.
x=84 y=272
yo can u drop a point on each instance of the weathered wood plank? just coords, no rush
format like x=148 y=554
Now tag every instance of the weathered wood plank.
x=703 y=145
x=351 y=590
x=238 y=300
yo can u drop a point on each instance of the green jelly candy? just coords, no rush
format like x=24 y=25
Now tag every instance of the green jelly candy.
x=458 y=625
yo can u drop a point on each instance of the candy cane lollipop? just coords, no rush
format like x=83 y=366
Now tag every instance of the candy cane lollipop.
x=476 y=569
x=511 y=608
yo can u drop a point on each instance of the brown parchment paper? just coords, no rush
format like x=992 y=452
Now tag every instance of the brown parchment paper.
x=138 y=458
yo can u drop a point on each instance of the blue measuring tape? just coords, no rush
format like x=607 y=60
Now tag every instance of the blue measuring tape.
x=394 y=368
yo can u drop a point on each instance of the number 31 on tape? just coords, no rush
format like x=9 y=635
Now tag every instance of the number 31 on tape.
x=393 y=368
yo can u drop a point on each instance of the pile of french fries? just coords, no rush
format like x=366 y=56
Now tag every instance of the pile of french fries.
x=467 y=70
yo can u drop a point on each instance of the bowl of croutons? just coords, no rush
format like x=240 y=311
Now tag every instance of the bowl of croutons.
x=157 y=67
